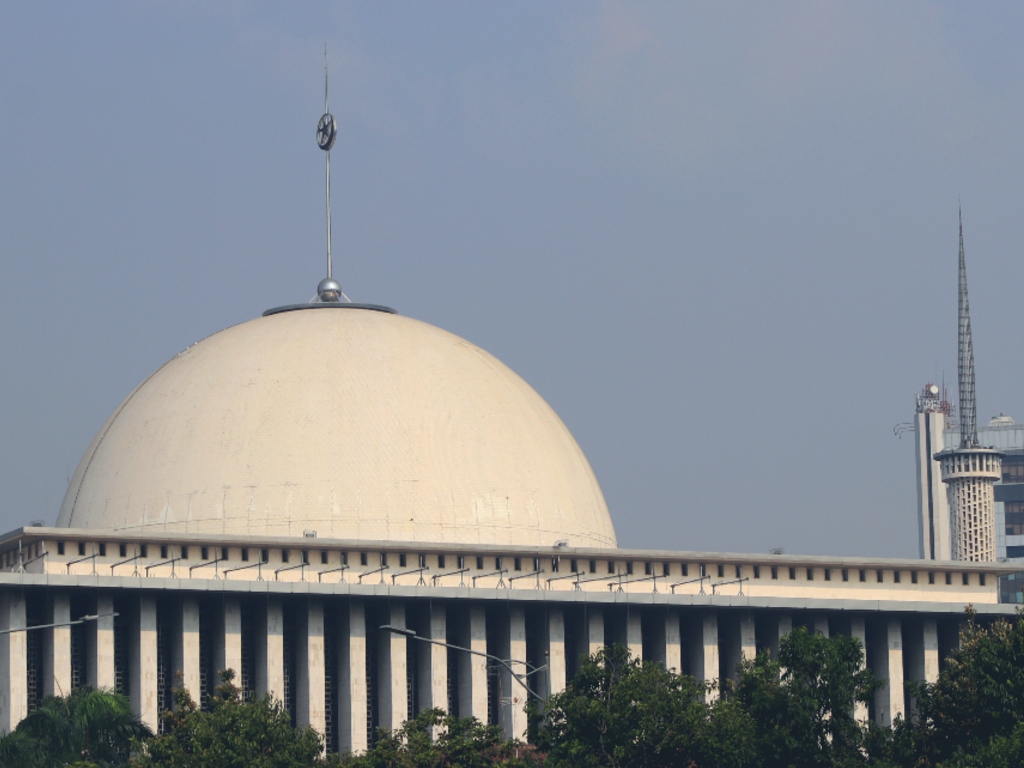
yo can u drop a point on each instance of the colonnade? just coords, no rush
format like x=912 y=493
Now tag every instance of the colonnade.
x=338 y=672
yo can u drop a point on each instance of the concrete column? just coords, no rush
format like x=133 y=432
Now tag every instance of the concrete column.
x=512 y=695
x=673 y=642
x=931 y=650
x=57 y=649
x=142 y=657
x=859 y=631
x=591 y=639
x=785 y=626
x=432 y=661
x=392 y=673
x=473 y=668
x=554 y=645
x=186 y=648
x=310 y=699
x=821 y=624
x=100 y=663
x=352 y=725
x=704 y=657
x=889 y=660
x=13 y=666
x=227 y=648
x=634 y=634
x=748 y=637
x=270 y=651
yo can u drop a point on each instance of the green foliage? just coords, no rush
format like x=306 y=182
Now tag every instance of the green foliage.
x=88 y=727
x=622 y=713
x=802 y=705
x=232 y=734
x=972 y=716
x=435 y=740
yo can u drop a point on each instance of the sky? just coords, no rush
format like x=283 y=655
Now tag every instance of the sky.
x=720 y=239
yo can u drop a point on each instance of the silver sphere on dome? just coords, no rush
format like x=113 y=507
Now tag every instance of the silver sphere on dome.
x=329 y=291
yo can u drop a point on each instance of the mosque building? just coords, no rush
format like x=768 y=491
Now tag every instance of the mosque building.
x=366 y=516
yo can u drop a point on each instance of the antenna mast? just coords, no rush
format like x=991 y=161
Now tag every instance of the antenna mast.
x=326 y=133
x=965 y=357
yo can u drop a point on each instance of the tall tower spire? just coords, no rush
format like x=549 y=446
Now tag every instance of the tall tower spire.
x=965 y=357
x=971 y=471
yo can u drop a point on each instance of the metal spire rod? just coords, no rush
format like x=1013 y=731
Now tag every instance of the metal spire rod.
x=965 y=356
x=327 y=111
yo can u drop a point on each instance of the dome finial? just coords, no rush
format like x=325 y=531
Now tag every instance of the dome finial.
x=326 y=134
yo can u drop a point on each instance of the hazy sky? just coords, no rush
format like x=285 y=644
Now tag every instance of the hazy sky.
x=720 y=239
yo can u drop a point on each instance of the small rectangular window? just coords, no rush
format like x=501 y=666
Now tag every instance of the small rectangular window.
x=245 y=555
x=518 y=563
x=896 y=576
x=401 y=560
x=931 y=577
x=629 y=567
x=647 y=569
x=792 y=574
x=362 y=558
x=703 y=570
x=810 y=574
x=284 y=555
x=103 y=549
x=440 y=561
x=383 y=558
x=949 y=578
x=60 y=547
x=223 y=553
x=913 y=577
x=775 y=572
x=739 y=571
x=880 y=576
x=204 y=553
x=757 y=571
x=184 y=553
x=981 y=579
x=422 y=561
x=461 y=562
x=479 y=563
x=966 y=579
x=144 y=550
x=497 y=563
x=574 y=566
x=863 y=575
x=163 y=551
x=593 y=566
x=846 y=575
x=721 y=570
x=554 y=564
x=305 y=557
x=264 y=555
x=536 y=563
x=324 y=557
x=666 y=569
x=828 y=574
x=686 y=569
x=81 y=548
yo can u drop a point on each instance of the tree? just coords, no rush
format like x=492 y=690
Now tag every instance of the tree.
x=87 y=727
x=435 y=740
x=624 y=713
x=802 y=705
x=232 y=734
x=972 y=715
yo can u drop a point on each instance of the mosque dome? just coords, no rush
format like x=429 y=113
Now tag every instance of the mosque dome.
x=351 y=422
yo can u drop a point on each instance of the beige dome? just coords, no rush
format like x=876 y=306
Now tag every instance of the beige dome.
x=354 y=423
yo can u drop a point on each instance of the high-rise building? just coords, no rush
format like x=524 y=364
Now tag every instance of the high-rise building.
x=933 y=415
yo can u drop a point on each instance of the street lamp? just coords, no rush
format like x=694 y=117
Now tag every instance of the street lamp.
x=89 y=617
x=507 y=664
